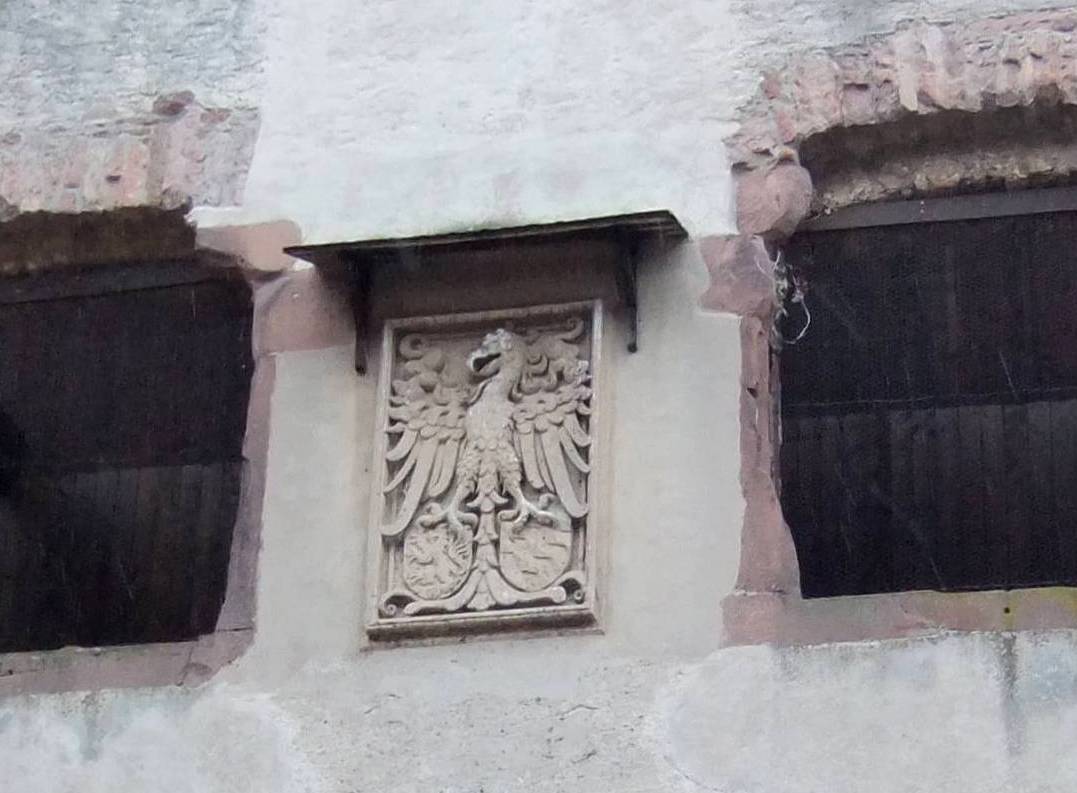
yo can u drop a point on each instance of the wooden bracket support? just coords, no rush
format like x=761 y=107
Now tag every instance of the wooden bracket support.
x=626 y=276
x=361 y=282
x=362 y=258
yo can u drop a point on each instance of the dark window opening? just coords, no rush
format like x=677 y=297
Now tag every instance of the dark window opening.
x=123 y=408
x=929 y=415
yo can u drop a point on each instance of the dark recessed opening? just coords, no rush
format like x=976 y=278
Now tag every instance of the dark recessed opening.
x=122 y=416
x=929 y=415
x=871 y=147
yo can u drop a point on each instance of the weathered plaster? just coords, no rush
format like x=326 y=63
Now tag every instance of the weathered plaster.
x=991 y=712
x=127 y=104
x=380 y=123
x=975 y=712
x=486 y=114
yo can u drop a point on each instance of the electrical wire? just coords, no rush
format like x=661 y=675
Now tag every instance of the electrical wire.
x=787 y=292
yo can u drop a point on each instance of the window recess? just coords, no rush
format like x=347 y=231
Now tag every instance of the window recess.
x=123 y=402
x=929 y=414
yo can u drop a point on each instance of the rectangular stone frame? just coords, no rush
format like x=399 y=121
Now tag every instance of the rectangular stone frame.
x=585 y=614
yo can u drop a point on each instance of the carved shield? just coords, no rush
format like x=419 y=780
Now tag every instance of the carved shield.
x=436 y=560
x=534 y=557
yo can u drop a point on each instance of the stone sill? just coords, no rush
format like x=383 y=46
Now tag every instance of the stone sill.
x=788 y=619
x=123 y=666
x=457 y=626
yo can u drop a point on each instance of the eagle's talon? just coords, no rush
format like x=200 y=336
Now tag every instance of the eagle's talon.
x=461 y=522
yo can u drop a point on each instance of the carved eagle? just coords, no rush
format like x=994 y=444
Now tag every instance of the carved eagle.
x=493 y=447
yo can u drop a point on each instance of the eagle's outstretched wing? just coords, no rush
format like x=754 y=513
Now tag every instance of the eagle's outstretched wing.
x=550 y=420
x=426 y=422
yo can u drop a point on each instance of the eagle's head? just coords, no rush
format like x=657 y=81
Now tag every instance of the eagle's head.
x=498 y=348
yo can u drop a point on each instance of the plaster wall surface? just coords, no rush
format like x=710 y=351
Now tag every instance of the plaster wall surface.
x=487 y=113
x=381 y=119
x=121 y=103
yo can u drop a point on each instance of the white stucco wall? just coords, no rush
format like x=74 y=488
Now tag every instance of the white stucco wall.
x=384 y=118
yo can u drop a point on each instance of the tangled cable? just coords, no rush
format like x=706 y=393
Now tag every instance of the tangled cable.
x=787 y=293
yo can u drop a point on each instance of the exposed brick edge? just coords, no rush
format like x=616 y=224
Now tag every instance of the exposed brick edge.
x=921 y=68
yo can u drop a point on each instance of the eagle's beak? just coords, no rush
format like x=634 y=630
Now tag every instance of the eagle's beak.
x=482 y=362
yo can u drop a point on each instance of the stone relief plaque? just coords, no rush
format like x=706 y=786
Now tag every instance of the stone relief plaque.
x=484 y=477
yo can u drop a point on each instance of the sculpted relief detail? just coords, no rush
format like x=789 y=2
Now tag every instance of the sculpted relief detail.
x=487 y=463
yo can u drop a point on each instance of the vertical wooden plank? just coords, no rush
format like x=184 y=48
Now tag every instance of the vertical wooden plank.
x=865 y=511
x=82 y=555
x=831 y=501
x=146 y=509
x=227 y=513
x=204 y=605
x=12 y=541
x=1034 y=277
x=1058 y=321
x=906 y=563
x=10 y=557
x=125 y=523
x=788 y=484
x=185 y=573
x=46 y=517
x=947 y=497
x=1043 y=544
x=811 y=533
x=955 y=337
x=174 y=385
x=31 y=580
x=993 y=534
x=65 y=426
x=28 y=378
x=140 y=349
x=1021 y=569
x=969 y=560
x=794 y=495
x=240 y=356
x=1035 y=282
x=924 y=505
x=1063 y=415
x=107 y=612
x=123 y=520
x=10 y=546
x=167 y=541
